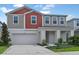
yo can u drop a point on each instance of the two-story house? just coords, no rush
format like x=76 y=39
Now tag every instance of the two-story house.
x=74 y=22
x=27 y=26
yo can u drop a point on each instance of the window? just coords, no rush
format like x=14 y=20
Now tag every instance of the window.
x=47 y=19
x=77 y=23
x=62 y=20
x=54 y=20
x=33 y=19
x=15 y=19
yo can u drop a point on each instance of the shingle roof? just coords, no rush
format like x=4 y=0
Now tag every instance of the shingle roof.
x=54 y=15
x=73 y=19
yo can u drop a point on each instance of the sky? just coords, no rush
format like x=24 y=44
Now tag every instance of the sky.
x=72 y=10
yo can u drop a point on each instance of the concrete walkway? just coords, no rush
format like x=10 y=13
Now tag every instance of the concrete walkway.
x=28 y=50
x=69 y=53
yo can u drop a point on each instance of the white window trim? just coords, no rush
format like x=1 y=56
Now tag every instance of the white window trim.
x=13 y=19
x=56 y=20
x=35 y=19
x=60 y=20
x=49 y=20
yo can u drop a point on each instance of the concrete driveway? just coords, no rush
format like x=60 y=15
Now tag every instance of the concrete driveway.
x=28 y=50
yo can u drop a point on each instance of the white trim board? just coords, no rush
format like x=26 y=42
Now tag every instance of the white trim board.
x=21 y=29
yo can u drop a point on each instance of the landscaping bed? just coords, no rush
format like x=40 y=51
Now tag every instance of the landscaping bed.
x=3 y=48
x=71 y=45
x=73 y=48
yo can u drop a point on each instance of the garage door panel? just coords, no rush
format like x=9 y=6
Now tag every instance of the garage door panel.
x=24 y=39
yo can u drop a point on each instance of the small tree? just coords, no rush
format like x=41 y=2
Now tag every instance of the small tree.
x=5 y=34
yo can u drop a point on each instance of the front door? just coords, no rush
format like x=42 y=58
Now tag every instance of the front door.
x=51 y=37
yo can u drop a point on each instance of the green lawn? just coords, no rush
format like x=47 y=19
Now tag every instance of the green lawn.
x=3 y=48
x=74 y=48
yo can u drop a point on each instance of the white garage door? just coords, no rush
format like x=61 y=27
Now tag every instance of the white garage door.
x=22 y=39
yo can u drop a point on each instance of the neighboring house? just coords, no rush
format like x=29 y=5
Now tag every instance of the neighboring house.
x=0 y=30
x=75 y=24
x=27 y=26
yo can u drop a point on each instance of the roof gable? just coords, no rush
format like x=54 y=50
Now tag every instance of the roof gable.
x=20 y=10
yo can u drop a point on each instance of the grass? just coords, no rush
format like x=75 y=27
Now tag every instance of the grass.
x=74 y=48
x=3 y=48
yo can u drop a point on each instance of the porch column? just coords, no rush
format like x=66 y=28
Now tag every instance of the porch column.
x=72 y=33
x=57 y=35
x=43 y=35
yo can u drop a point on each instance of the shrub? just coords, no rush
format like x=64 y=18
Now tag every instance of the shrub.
x=44 y=42
x=59 y=43
x=60 y=40
x=2 y=44
x=62 y=44
x=74 y=40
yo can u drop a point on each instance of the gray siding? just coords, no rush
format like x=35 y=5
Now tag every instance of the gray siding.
x=75 y=25
x=17 y=26
x=57 y=20
x=70 y=23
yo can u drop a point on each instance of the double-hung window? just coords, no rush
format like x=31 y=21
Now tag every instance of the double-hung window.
x=47 y=19
x=15 y=19
x=54 y=20
x=33 y=19
x=77 y=23
x=62 y=19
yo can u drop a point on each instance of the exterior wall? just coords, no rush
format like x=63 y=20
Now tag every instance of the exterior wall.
x=73 y=23
x=70 y=23
x=17 y=26
x=28 y=20
x=57 y=20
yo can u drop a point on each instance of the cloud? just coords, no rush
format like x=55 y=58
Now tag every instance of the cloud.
x=46 y=12
x=38 y=6
x=18 y=5
x=2 y=20
x=48 y=7
x=5 y=10
x=45 y=8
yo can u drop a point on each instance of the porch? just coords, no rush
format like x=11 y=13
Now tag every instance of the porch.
x=52 y=34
